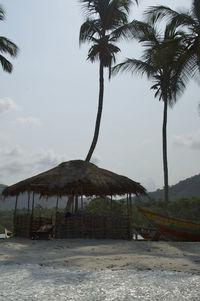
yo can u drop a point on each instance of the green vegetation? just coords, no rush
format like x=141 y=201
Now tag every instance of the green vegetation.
x=183 y=209
x=103 y=207
x=6 y=220
x=1 y=229
x=6 y=46
x=6 y=216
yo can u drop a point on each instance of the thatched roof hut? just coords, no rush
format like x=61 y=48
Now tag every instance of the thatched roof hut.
x=76 y=177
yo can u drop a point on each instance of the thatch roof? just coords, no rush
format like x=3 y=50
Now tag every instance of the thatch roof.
x=76 y=177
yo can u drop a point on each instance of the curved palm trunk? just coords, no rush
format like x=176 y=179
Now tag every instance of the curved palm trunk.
x=99 y=113
x=165 y=164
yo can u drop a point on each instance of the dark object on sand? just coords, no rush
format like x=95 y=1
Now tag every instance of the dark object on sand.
x=68 y=214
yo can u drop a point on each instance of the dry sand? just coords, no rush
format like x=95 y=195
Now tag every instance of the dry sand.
x=85 y=254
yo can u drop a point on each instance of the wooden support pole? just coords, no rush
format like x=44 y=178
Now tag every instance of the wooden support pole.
x=130 y=216
x=32 y=215
x=57 y=205
x=76 y=203
x=56 y=217
x=131 y=205
x=72 y=204
x=29 y=195
x=111 y=205
x=70 y=201
x=15 y=212
x=127 y=204
x=33 y=203
x=16 y=201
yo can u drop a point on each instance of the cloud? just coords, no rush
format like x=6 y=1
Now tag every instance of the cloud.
x=3 y=136
x=29 y=121
x=18 y=163
x=95 y=160
x=16 y=151
x=150 y=184
x=7 y=104
x=146 y=142
x=190 y=141
x=47 y=158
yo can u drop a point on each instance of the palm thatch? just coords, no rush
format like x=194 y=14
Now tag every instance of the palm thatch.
x=76 y=177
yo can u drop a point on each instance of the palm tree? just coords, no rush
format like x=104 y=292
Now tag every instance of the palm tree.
x=106 y=22
x=159 y=63
x=190 y=21
x=6 y=46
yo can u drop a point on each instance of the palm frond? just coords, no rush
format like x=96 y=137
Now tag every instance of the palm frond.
x=8 y=46
x=134 y=66
x=103 y=52
x=135 y=29
x=89 y=7
x=88 y=29
x=157 y=13
x=158 y=90
x=106 y=22
x=140 y=30
x=177 y=87
x=93 y=53
x=6 y=65
x=196 y=9
x=183 y=19
x=116 y=13
x=111 y=13
x=2 y=14
x=163 y=62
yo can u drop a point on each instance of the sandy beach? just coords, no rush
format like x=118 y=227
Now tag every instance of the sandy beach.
x=85 y=254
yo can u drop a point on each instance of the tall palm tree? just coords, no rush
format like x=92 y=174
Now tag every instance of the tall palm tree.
x=106 y=22
x=6 y=46
x=159 y=63
x=190 y=21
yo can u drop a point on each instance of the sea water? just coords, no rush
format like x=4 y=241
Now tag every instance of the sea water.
x=35 y=282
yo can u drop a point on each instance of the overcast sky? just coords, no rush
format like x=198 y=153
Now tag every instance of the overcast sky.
x=48 y=104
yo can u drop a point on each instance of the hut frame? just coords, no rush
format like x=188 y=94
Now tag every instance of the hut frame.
x=77 y=178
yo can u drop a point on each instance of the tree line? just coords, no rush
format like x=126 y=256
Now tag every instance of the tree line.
x=187 y=209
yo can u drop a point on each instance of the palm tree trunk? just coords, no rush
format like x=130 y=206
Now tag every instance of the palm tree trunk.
x=165 y=164
x=99 y=113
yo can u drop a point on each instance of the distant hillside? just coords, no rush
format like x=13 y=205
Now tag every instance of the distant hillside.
x=188 y=188
x=9 y=203
x=2 y=187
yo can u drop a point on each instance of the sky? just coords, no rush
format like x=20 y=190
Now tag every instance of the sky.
x=48 y=104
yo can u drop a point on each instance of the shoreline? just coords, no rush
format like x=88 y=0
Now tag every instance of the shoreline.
x=92 y=254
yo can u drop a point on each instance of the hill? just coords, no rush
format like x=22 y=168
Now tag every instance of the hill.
x=9 y=202
x=188 y=188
